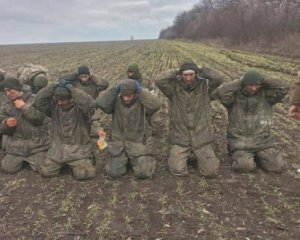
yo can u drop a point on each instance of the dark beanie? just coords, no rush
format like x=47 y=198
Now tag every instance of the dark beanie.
x=83 y=70
x=188 y=65
x=252 y=77
x=61 y=92
x=128 y=86
x=12 y=83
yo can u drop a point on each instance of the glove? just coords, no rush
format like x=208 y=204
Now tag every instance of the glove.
x=62 y=82
x=69 y=86
x=138 y=87
x=65 y=83
x=119 y=87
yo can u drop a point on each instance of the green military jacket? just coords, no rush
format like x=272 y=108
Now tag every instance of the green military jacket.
x=131 y=125
x=70 y=130
x=31 y=133
x=190 y=110
x=93 y=87
x=250 y=117
x=27 y=72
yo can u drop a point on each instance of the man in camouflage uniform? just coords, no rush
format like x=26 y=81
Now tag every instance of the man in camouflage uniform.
x=35 y=76
x=249 y=103
x=26 y=129
x=294 y=110
x=191 y=130
x=69 y=109
x=133 y=72
x=93 y=85
x=132 y=107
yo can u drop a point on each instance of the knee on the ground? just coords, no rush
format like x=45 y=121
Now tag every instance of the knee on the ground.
x=145 y=167
x=83 y=173
x=210 y=171
x=6 y=167
x=45 y=172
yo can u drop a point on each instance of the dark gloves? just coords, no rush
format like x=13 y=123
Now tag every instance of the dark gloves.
x=65 y=83
x=138 y=87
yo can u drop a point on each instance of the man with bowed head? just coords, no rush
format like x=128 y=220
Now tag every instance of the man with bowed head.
x=189 y=91
x=69 y=109
x=25 y=127
x=132 y=108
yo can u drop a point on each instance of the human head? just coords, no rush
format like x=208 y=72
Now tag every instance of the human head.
x=12 y=88
x=128 y=91
x=188 y=71
x=38 y=82
x=133 y=71
x=63 y=97
x=252 y=81
x=83 y=74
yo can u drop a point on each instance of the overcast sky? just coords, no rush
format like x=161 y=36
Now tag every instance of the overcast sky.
x=34 y=21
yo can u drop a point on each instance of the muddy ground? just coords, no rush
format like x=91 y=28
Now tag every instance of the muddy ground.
x=251 y=206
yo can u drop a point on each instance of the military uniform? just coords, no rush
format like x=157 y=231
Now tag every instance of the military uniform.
x=70 y=142
x=131 y=132
x=34 y=76
x=191 y=127
x=137 y=75
x=28 y=141
x=250 y=121
x=93 y=87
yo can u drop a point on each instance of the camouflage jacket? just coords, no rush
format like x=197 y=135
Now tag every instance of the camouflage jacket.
x=31 y=134
x=69 y=139
x=27 y=72
x=131 y=124
x=93 y=87
x=190 y=111
x=250 y=117
x=145 y=83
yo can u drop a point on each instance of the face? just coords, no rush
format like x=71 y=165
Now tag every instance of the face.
x=128 y=98
x=189 y=78
x=84 y=78
x=130 y=74
x=65 y=102
x=253 y=88
x=12 y=94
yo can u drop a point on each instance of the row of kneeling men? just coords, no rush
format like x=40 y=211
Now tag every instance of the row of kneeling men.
x=68 y=109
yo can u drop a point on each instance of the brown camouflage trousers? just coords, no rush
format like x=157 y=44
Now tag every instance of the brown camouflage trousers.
x=82 y=169
x=207 y=162
x=13 y=163
x=268 y=159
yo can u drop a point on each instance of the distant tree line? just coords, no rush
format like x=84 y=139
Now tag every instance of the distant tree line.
x=239 y=21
